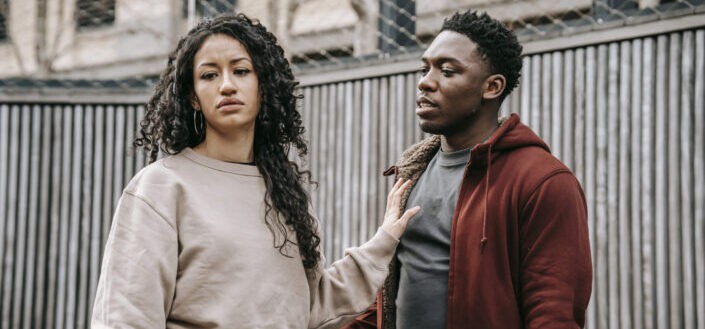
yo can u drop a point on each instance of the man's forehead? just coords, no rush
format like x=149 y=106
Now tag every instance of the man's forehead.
x=450 y=45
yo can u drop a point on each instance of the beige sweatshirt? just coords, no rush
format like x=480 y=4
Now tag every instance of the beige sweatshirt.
x=189 y=248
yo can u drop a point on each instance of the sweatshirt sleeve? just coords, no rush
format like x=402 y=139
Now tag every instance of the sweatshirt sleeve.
x=556 y=272
x=349 y=286
x=138 y=274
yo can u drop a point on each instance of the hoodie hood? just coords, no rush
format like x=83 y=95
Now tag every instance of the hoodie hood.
x=511 y=134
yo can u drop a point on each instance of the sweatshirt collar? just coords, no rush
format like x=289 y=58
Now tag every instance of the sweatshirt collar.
x=230 y=167
x=452 y=159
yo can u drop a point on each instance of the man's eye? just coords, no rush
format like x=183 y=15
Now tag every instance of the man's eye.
x=447 y=72
x=423 y=70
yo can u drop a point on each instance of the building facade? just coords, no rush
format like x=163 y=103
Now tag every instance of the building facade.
x=114 y=39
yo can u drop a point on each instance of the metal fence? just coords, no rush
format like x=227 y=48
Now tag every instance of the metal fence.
x=627 y=117
x=62 y=169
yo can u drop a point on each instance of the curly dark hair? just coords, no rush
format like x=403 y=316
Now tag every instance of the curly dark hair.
x=169 y=125
x=495 y=42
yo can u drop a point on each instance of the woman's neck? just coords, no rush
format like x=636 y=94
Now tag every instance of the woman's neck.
x=231 y=148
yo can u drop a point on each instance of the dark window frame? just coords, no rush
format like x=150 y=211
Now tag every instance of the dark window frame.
x=206 y=8
x=4 y=19
x=92 y=14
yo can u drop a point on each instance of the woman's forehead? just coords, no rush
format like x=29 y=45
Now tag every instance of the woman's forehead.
x=218 y=48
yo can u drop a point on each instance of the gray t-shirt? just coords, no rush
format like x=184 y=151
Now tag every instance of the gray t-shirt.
x=424 y=249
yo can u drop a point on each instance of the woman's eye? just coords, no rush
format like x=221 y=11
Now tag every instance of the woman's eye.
x=208 y=76
x=241 y=71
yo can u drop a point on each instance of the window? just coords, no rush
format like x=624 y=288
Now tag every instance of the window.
x=94 y=13
x=4 y=14
x=205 y=8
x=397 y=25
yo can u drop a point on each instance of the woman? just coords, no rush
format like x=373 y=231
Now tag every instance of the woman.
x=219 y=233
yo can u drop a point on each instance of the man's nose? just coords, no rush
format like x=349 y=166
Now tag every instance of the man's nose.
x=427 y=82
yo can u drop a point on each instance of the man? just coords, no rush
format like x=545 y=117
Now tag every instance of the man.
x=502 y=237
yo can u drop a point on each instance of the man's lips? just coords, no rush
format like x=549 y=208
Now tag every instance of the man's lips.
x=423 y=101
x=425 y=106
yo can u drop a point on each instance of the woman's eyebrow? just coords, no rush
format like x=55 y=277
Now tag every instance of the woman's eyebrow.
x=232 y=61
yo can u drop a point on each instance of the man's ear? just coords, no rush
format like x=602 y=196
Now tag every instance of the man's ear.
x=494 y=87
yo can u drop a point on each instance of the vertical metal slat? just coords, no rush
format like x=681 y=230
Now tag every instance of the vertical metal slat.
x=673 y=112
x=685 y=158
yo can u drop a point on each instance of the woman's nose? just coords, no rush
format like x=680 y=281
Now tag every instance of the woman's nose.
x=228 y=86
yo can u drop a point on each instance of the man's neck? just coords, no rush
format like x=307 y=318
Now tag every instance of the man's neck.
x=478 y=132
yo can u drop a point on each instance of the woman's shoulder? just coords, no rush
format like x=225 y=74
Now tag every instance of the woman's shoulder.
x=159 y=176
x=160 y=185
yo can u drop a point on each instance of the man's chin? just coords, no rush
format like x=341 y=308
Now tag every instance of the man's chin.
x=431 y=128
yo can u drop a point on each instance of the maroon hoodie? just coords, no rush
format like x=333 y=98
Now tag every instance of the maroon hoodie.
x=519 y=251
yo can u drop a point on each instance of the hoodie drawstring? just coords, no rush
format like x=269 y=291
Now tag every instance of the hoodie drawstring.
x=483 y=240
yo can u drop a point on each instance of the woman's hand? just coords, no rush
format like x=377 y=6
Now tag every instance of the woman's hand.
x=393 y=224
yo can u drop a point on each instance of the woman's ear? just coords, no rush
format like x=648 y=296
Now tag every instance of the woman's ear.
x=195 y=103
x=494 y=87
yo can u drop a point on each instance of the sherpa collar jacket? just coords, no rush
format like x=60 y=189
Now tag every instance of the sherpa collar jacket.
x=519 y=251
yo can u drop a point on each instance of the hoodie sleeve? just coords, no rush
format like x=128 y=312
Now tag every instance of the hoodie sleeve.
x=138 y=274
x=556 y=271
x=349 y=286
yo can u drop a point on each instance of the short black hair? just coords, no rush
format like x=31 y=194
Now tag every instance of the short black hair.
x=496 y=43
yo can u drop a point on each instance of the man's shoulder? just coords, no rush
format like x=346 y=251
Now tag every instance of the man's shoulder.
x=535 y=159
x=534 y=165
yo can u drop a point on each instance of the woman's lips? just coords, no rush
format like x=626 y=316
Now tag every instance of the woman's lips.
x=230 y=104
x=230 y=107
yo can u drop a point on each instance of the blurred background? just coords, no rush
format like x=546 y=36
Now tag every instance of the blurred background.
x=110 y=39
x=616 y=88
